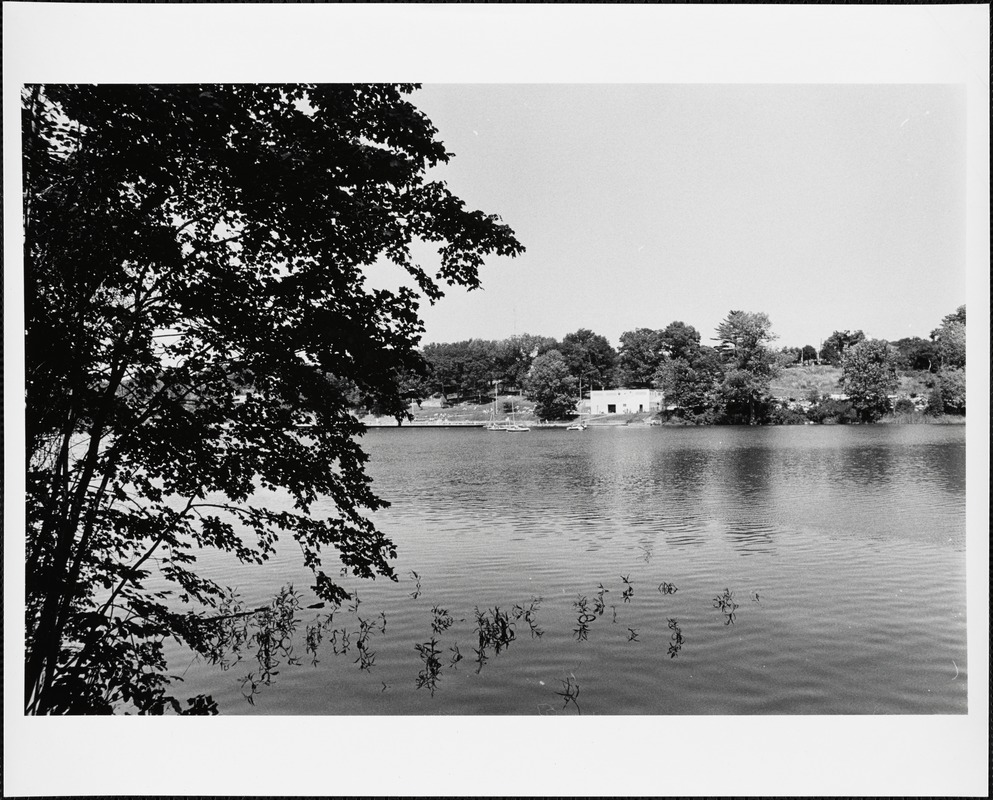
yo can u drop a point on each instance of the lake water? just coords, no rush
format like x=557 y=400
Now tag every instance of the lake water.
x=717 y=570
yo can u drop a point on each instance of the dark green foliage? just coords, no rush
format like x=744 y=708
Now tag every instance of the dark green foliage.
x=949 y=339
x=514 y=357
x=790 y=355
x=688 y=375
x=689 y=383
x=749 y=366
x=919 y=354
x=829 y=410
x=679 y=340
x=552 y=388
x=948 y=386
x=590 y=358
x=948 y=391
x=465 y=369
x=182 y=242
x=782 y=414
x=638 y=358
x=904 y=405
x=833 y=350
x=868 y=376
x=935 y=402
x=742 y=398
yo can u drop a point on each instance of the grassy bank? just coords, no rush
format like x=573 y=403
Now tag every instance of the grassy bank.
x=431 y=411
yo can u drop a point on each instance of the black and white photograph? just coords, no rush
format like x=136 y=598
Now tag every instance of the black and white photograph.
x=396 y=379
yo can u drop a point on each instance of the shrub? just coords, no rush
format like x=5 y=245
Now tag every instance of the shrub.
x=833 y=411
x=935 y=402
x=784 y=415
x=904 y=405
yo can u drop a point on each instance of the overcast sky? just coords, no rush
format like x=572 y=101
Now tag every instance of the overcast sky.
x=827 y=207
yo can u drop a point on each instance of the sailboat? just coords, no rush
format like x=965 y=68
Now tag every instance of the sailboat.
x=578 y=425
x=493 y=424
x=514 y=426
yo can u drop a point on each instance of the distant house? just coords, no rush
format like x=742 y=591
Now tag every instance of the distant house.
x=625 y=401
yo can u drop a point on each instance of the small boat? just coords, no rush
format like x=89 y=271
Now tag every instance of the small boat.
x=514 y=426
x=493 y=425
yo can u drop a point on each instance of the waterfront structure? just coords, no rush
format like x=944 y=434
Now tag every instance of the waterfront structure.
x=625 y=401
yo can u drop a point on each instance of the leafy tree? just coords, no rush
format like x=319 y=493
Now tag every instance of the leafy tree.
x=790 y=355
x=935 y=402
x=679 y=340
x=516 y=354
x=479 y=366
x=551 y=386
x=832 y=411
x=443 y=370
x=749 y=366
x=689 y=381
x=177 y=239
x=956 y=316
x=914 y=353
x=465 y=368
x=742 y=398
x=412 y=384
x=868 y=376
x=833 y=350
x=782 y=414
x=808 y=353
x=743 y=336
x=590 y=357
x=638 y=358
x=949 y=339
x=949 y=391
x=689 y=373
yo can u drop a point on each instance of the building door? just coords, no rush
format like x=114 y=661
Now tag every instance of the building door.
x=640 y=408
x=611 y=408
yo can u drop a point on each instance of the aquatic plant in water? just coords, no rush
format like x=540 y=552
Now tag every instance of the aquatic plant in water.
x=583 y=619
x=269 y=631
x=366 y=657
x=494 y=629
x=529 y=612
x=431 y=671
x=676 y=639
x=442 y=620
x=725 y=602
x=314 y=634
x=570 y=693
x=598 y=605
x=628 y=593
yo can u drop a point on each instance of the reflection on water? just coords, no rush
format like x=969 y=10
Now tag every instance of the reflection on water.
x=850 y=534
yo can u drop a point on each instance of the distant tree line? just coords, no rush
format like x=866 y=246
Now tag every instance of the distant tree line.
x=724 y=383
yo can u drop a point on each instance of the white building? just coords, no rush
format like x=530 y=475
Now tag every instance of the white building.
x=625 y=401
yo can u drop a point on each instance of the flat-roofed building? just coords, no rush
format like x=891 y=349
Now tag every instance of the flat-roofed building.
x=625 y=401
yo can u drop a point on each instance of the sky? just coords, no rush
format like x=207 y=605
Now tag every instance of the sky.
x=828 y=207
